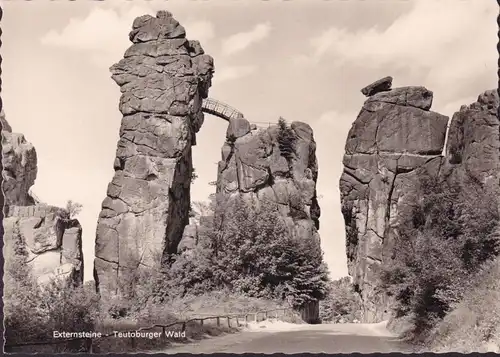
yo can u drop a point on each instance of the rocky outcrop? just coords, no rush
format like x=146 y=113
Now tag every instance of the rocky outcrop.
x=19 y=166
x=255 y=167
x=163 y=78
x=394 y=140
x=52 y=241
x=474 y=143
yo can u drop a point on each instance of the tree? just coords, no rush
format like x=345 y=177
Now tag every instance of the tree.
x=258 y=255
x=73 y=209
x=342 y=303
x=286 y=139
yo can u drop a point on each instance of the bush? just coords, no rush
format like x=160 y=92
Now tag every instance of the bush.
x=449 y=235
x=32 y=311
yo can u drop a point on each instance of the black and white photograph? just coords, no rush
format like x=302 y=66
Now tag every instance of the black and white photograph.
x=250 y=176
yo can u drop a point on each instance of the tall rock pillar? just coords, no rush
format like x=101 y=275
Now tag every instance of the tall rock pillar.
x=393 y=141
x=163 y=78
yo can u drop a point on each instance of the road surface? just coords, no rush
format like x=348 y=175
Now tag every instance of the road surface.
x=281 y=337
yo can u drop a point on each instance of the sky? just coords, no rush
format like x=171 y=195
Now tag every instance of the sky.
x=304 y=60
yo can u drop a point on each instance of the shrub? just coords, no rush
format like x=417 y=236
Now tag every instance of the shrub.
x=32 y=311
x=448 y=236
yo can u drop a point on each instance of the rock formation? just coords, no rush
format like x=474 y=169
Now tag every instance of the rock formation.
x=52 y=241
x=163 y=78
x=394 y=140
x=473 y=141
x=19 y=166
x=255 y=167
x=382 y=85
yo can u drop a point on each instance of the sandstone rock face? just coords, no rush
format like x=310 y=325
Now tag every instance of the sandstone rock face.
x=393 y=141
x=163 y=78
x=53 y=241
x=253 y=169
x=19 y=166
x=473 y=141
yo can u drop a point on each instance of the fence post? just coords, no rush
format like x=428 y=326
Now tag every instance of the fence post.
x=228 y=322
x=246 y=320
x=266 y=315
x=237 y=321
x=183 y=326
x=201 y=322
x=164 y=334
x=218 y=321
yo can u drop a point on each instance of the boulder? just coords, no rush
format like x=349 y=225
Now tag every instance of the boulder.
x=381 y=85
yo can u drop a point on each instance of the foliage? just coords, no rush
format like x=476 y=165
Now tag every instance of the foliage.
x=473 y=324
x=286 y=139
x=194 y=175
x=248 y=250
x=33 y=311
x=342 y=303
x=72 y=209
x=290 y=267
x=448 y=236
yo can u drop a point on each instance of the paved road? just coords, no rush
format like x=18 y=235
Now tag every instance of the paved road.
x=325 y=338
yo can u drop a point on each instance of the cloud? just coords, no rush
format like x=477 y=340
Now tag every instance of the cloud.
x=240 y=41
x=233 y=72
x=441 y=41
x=202 y=31
x=102 y=34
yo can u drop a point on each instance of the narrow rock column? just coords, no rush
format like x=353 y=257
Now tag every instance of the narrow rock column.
x=163 y=78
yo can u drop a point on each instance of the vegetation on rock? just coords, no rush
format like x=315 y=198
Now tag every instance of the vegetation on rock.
x=286 y=139
x=450 y=234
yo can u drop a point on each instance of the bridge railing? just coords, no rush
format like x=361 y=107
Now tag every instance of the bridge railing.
x=229 y=320
x=220 y=109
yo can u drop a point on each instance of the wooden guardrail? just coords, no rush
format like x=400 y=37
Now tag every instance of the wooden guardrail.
x=231 y=320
